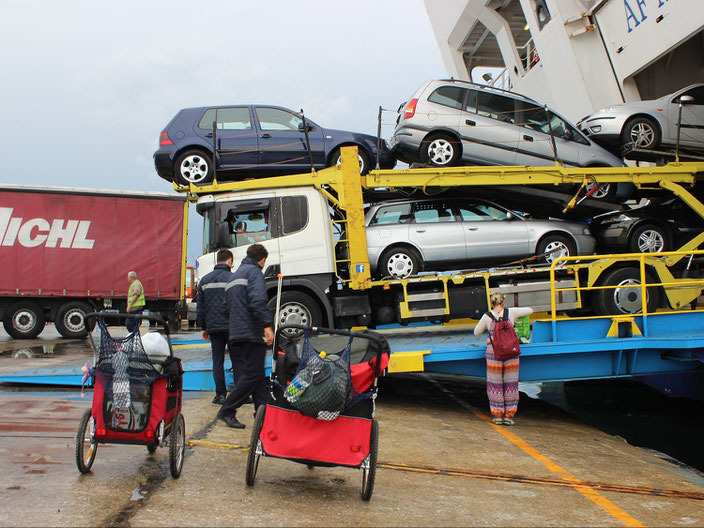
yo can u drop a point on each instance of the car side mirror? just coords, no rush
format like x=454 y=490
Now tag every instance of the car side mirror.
x=686 y=99
x=509 y=215
x=568 y=135
x=302 y=129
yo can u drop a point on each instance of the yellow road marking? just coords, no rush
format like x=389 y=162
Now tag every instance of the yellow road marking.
x=591 y=494
x=204 y=344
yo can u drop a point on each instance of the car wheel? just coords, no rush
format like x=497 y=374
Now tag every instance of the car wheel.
x=626 y=297
x=441 y=150
x=399 y=263
x=364 y=165
x=71 y=320
x=649 y=238
x=24 y=320
x=193 y=166
x=555 y=246
x=642 y=132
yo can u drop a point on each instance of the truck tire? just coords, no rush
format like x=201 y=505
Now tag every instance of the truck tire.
x=24 y=320
x=71 y=320
x=297 y=308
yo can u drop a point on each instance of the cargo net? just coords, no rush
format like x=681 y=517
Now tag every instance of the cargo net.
x=322 y=386
x=126 y=375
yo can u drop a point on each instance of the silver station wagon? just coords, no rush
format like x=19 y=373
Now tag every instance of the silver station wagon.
x=451 y=122
x=405 y=237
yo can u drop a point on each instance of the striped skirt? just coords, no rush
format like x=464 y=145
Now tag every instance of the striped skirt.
x=502 y=384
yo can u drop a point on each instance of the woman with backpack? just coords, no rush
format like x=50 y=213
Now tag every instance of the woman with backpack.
x=501 y=374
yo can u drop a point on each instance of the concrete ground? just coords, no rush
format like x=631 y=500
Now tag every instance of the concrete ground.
x=441 y=463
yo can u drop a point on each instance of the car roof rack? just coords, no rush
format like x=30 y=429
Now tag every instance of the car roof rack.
x=487 y=87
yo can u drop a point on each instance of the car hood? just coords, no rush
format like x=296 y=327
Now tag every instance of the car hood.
x=626 y=108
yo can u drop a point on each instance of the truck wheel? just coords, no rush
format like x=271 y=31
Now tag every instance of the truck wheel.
x=71 y=320
x=627 y=297
x=297 y=308
x=193 y=166
x=24 y=320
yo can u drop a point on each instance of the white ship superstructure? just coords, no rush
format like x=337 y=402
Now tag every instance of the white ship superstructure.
x=575 y=55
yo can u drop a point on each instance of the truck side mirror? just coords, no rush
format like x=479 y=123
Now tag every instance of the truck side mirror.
x=222 y=235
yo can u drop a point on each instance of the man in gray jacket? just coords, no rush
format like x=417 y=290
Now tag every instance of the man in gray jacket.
x=250 y=332
x=212 y=317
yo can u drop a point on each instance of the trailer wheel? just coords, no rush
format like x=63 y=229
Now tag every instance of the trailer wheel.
x=255 y=449
x=369 y=473
x=626 y=297
x=177 y=445
x=297 y=308
x=86 y=445
x=24 y=320
x=193 y=166
x=71 y=320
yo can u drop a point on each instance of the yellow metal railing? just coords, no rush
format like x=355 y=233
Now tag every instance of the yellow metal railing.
x=653 y=271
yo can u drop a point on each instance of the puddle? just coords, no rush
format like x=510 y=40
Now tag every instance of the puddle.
x=39 y=352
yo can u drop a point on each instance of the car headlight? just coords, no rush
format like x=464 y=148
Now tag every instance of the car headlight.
x=586 y=231
x=595 y=129
x=624 y=218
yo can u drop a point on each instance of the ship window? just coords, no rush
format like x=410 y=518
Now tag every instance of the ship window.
x=452 y=96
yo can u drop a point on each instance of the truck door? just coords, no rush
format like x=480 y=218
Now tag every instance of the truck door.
x=435 y=229
x=491 y=231
x=237 y=143
x=282 y=140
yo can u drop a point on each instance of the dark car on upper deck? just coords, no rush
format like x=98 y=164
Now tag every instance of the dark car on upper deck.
x=254 y=140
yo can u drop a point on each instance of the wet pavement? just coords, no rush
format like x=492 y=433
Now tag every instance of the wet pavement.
x=441 y=463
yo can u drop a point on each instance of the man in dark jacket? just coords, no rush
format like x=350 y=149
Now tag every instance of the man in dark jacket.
x=212 y=317
x=250 y=332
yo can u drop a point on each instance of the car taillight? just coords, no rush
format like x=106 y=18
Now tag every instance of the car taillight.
x=164 y=139
x=410 y=109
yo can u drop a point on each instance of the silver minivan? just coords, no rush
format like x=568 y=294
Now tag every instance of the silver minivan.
x=452 y=122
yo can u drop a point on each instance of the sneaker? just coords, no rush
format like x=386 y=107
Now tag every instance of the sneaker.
x=219 y=399
x=231 y=421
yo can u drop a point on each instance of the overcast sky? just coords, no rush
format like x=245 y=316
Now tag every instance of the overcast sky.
x=87 y=86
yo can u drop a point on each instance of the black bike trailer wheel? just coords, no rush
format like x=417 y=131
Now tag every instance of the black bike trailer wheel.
x=86 y=445
x=177 y=445
x=369 y=465
x=255 y=447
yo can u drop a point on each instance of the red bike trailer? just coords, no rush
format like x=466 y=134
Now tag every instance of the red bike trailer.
x=137 y=398
x=350 y=440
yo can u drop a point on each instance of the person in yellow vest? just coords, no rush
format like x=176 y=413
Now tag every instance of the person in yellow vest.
x=135 y=301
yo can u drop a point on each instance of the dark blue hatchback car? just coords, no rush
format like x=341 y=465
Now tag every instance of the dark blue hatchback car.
x=253 y=140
